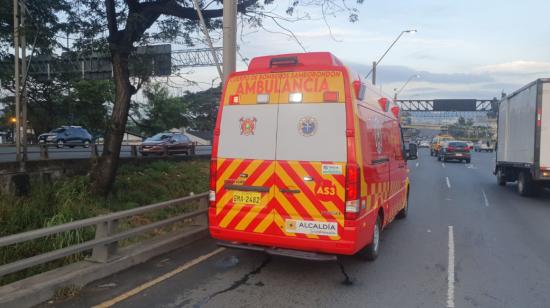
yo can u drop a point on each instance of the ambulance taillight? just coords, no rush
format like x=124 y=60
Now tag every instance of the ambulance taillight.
x=353 y=203
x=212 y=193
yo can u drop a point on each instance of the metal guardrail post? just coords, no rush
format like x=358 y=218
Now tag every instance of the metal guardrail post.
x=193 y=148
x=95 y=152
x=134 y=152
x=104 y=253
x=202 y=220
x=44 y=152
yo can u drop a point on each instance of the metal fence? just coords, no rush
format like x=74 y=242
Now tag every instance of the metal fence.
x=45 y=152
x=107 y=236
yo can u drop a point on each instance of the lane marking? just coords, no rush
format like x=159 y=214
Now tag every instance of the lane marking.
x=443 y=165
x=485 y=198
x=417 y=163
x=451 y=270
x=157 y=280
x=448 y=182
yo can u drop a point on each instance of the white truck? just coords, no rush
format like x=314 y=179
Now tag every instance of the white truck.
x=523 y=146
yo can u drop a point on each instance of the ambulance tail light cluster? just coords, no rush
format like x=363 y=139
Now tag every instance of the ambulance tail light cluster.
x=330 y=97
x=234 y=100
x=353 y=202
x=295 y=97
x=212 y=193
x=262 y=99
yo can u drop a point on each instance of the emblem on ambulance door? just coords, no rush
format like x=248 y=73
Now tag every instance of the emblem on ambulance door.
x=307 y=126
x=248 y=125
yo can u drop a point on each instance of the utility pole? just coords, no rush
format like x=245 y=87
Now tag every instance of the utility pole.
x=229 y=37
x=17 y=80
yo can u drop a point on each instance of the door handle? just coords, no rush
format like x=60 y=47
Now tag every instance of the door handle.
x=290 y=191
x=246 y=188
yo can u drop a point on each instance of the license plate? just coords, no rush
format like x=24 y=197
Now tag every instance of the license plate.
x=458 y=154
x=247 y=197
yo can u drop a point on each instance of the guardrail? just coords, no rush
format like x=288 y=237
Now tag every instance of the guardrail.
x=44 y=151
x=104 y=245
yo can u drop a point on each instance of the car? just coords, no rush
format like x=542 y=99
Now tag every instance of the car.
x=483 y=146
x=470 y=145
x=70 y=136
x=455 y=150
x=166 y=143
x=424 y=144
x=300 y=145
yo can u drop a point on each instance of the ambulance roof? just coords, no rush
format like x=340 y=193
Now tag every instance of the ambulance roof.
x=295 y=59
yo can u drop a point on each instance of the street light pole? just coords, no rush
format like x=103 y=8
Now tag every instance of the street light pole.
x=17 y=80
x=404 y=85
x=375 y=64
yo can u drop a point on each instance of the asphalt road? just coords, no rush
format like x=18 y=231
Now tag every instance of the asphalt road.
x=493 y=244
x=7 y=153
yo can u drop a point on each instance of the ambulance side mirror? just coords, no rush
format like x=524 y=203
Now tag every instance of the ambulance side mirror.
x=412 y=151
x=359 y=89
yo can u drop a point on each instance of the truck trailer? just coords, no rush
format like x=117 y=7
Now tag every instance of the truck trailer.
x=523 y=146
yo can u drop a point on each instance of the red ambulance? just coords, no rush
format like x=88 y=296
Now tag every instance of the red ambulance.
x=308 y=161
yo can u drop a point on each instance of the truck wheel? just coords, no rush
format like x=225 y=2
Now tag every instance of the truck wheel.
x=501 y=179
x=370 y=252
x=526 y=186
x=468 y=161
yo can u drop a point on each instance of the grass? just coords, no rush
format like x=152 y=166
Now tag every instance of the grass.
x=69 y=199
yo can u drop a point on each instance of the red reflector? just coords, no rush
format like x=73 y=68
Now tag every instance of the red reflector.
x=213 y=172
x=234 y=100
x=330 y=96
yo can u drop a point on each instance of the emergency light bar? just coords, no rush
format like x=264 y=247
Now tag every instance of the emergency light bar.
x=295 y=97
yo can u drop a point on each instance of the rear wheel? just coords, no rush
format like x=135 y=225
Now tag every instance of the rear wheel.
x=60 y=143
x=501 y=179
x=468 y=161
x=370 y=252
x=404 y=211
x=86 y=144
x=526 y=186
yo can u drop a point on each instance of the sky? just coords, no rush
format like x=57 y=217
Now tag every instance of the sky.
x=463 y=48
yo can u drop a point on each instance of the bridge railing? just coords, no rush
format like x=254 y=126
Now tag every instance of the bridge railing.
x=107 y=234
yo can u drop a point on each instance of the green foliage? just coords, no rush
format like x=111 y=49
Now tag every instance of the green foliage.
x=70 y=199
x=201 y=108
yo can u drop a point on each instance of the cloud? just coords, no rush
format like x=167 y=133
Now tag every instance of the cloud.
x=519 y=67
x=398 y=73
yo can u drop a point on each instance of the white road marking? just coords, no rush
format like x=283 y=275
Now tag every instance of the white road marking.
x=451 y=270
x=157 y=280
x=485 y=198
x=448 y=182
x=417 y=163
x=443 y=165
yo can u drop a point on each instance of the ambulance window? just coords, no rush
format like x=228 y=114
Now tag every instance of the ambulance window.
x=312 y=132
x=248 y=131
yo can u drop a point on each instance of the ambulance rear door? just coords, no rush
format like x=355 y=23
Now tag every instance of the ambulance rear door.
x=246 y=153
x=311 y=155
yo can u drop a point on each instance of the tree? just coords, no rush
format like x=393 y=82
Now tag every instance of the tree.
x=160 y=112
x=202 y=108
x=127 y=24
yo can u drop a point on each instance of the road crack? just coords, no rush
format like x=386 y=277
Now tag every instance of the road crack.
x=236 y=284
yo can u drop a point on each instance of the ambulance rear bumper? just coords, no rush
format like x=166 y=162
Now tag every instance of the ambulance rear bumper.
x=343 y=246
x=305 y=255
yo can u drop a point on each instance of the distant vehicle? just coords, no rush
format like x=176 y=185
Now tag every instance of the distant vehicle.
x=455 y=150
x=174 y=143
x=470 y=145
x=523 y=152
x=436 y=143
x=424 y=144
x=483 y=146
x=70 y=136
